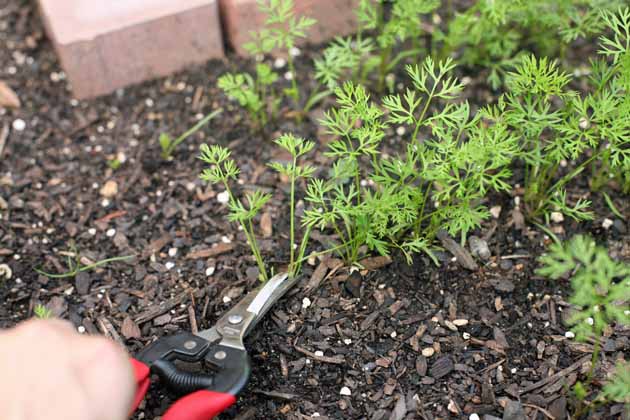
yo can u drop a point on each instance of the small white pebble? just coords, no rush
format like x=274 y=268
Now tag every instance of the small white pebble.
x=190 y=186
x=225 y=240
x=5 y=271
x=105 y=202
x=169 y=265
x=294 y=51
x=19 y=124
x=149 y=102
x=223 y=197
x=473 y=416
x=460 y=322
x=172 y=252
x=227 y=299
x=279 y=63
x=347 y=341
x=306 y=302
x=401 y=131
x=288 y=75
x=466 y=336
x=393 y=334
x=589 y=321
x=428 y=352
x=513 y=370
x=569 y=334
x=319 y=353
x=110 y=232
x=92 y=231
x=210 y=271
x=345 y=391
x=607 y=223
x=495 y=211
x=315 y=414
x=17 y=257
x=557 y=217
x=81 y=329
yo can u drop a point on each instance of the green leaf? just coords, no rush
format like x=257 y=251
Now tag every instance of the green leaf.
x=165 y=142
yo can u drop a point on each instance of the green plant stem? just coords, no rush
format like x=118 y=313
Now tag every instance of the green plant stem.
x=79 y=268
x=382 y=72
x=295 y=93
x=298 y=262
x=256 y=250
x=292 y=221
x=420 y=217
x=568 y=177
x=327 y=251
x=248 y=229
x=192 y=130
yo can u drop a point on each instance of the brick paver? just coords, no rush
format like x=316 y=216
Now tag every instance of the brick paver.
x=106 y=45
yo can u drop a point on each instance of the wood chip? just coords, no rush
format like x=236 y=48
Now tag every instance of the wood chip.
x=156 y=245
x=560 y=374
x=374 y=263
x=335 y=360
x=277 y=394
x=317 y=277
x=266 y=225
x=130 y=329
x=400 y=409
x=220 y=248
x=107 y=328
x=369 y=320
x=462 y=256
x=442 y=367
x=157 y=310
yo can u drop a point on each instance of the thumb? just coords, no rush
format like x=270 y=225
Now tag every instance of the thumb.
x=105 y=371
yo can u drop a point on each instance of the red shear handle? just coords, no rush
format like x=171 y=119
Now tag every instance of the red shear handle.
x=200 y=405
x=142 y=380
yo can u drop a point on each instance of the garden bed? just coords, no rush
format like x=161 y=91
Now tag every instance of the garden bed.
x=393 y=341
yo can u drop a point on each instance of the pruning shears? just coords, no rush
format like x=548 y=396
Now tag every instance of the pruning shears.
x=220 y=350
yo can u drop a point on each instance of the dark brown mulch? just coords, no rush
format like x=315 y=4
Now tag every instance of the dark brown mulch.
x=395 y=342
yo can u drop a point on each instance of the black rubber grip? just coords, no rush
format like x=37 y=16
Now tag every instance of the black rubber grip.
x=178 y=381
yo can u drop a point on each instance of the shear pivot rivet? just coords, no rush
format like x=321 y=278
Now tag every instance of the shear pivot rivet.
x=190 y=344
x=235 y=319
x=220 y=355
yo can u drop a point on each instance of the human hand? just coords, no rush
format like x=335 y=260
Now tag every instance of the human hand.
x=48 y=371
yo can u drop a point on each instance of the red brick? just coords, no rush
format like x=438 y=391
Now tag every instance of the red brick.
x=334 y=17
x=106 y=45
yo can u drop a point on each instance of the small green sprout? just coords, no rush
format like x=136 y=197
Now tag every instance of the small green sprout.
x=281 y=31
x=297 y=147
x=398 y=30
x=223 y=170
x=600 y=295
x=255 y=93
x=114 y=164
x=168 y=145
x=75 y=266
x=42 y=312
x=618 y=388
